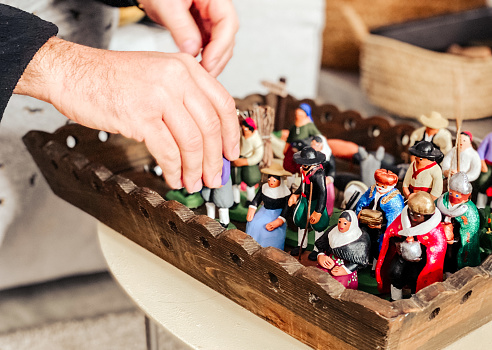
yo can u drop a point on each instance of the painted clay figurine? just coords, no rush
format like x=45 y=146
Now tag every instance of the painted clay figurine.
x=484 y=181
x=319 y=144
x=461 y=223
x=220 y=197
x=344 y=249
x=310 y=194
x=299 y=136
x=424 y=174
x=246 y=168
x=381 y=198
x=470 y=162
x=433 y=130
x=268 y=225
x=413 y=249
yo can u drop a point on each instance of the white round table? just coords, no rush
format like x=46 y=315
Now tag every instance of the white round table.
x=193 y=312
x=198 y=315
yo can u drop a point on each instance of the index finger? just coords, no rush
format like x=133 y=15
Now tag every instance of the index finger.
x=224 y=105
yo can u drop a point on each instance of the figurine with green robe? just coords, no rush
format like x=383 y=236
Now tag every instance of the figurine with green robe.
x=461 y=223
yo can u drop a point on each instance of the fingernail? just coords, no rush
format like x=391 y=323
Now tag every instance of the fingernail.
x=217 y=180
x=189 y=46
x=198 y=186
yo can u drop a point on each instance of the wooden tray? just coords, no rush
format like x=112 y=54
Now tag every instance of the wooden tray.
x=107 y=179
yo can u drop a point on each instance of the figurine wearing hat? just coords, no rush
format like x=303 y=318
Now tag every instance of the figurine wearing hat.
x=344 y=249
x=378 y=207
x=424 y=174
x=470 y=162
x=433 y=130
x=246 y=167
x=413 y=249
x=299 y=136
x=267 y=225
x=311 y=194
x=319 y=143
x=461 y=223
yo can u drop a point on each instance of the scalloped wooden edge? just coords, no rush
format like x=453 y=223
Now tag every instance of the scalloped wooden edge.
x=303 y=302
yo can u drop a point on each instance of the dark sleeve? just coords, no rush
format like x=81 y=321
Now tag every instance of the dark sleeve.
x=120 y=3
x=322 y=243
x=258 y=197
x=330 y=167
x=318 y=181
x=285 y=207
x=21 y=36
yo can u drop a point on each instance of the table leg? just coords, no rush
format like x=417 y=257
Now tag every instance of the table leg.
x=151 y=334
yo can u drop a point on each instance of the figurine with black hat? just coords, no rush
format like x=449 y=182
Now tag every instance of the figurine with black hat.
x=433 y=130
x=424 y=173
x=310 y=199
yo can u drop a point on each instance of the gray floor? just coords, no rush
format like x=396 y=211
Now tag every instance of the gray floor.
x=72 y=298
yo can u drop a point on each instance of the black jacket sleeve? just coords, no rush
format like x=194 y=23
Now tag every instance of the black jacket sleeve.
x=21 y=36
x=120 y=3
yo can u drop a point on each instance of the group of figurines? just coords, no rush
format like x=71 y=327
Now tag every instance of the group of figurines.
x=407 y=240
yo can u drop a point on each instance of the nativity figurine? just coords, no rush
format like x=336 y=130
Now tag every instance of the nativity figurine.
x=378 y=207
x=344 y=249
x=309 y=199
x=424 y=174
x=246 y=167
x=469 y=163
x=268 y=225
x=413 y=248
x=461 y=223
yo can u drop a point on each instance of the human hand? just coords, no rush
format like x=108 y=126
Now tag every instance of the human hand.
x=166 y=100
x=210 y=25
x=325 y=261
x=314 y=218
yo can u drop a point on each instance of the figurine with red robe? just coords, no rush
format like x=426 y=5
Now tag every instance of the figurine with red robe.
x=413 y=249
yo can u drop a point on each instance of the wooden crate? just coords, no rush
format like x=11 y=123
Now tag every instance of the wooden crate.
x=105 y=179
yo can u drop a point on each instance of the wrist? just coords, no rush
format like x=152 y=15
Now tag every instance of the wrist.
x=42 y=75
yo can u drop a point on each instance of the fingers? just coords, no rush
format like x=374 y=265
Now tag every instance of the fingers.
x=224 y=106
x=223 y=25
x=208 y=123
x=176 y=17
x=165 y=153
x=188 y=137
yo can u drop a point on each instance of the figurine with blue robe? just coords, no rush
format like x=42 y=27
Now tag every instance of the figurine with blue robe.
x=268 y=225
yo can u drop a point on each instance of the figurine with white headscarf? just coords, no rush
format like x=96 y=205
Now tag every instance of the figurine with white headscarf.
x=344 y=248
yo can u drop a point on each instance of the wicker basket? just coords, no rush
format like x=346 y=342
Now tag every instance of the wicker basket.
x=341 y=41
x=409 y=81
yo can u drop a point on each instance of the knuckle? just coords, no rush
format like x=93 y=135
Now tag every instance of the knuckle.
x=228 y=103
x=194 y=143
